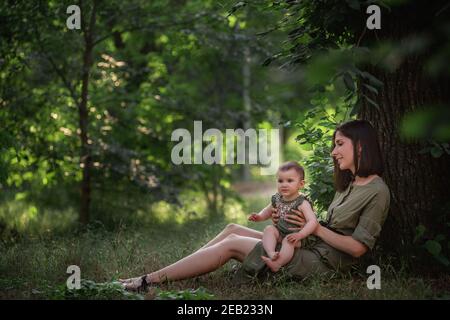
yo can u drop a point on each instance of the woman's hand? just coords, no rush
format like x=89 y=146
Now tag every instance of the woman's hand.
x=297 y=218
x=294 y=238
x=275 y=216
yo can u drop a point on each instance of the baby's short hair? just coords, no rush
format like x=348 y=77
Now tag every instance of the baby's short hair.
x=293 y=165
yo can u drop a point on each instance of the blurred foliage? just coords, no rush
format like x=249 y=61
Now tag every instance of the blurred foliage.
x=328 y=41
x=438 y=246
x=168 y=64
x=316 y=133
x=431 y=125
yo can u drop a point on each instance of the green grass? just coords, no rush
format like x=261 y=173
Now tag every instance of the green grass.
x=34 y=266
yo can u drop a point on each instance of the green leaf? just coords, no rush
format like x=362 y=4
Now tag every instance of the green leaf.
x=267 y=61
x=443 y=260
x=237 y=6
x=287 y=124
x=20 y=196
x=425 y=150
x=436 y=152
x=433 y=247
x=372 y=102
x=372 y=79
x=420 y=230
x=371 y=89
x=354 y=4
x=349 y=83
x=356 y=108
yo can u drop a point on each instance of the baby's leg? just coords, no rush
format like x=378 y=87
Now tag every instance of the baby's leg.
x=270 y=239
x=285 y=255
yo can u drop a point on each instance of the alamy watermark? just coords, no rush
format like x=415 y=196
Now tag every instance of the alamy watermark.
x=257 y=147
x=374 y=20
x=74 y=280
x=74 y=20
x=374 y=280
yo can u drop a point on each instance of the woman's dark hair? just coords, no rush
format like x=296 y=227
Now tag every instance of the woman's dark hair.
x=362 y=133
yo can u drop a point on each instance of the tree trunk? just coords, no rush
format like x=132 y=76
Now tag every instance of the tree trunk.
x=246 y=76
x=418 y=183
x=85 y=156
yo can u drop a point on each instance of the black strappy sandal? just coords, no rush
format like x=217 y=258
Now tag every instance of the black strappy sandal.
x=143 y=287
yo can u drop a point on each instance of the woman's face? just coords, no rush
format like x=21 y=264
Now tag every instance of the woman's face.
x=343 y=152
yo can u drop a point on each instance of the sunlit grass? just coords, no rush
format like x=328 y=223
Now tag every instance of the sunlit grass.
x=193 y=207
x=34 y=266
x=25 y=217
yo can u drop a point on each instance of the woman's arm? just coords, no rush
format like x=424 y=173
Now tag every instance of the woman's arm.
x=344 y=243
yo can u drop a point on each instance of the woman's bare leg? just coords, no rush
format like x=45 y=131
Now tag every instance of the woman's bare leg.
x=237 y=229
x=201 y=261
x=270 y=239
x=207 y=259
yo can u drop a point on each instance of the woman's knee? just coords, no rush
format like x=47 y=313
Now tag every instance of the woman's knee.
x=230 y=243
x=233 y=228
x=231 y=237
x=240 y=230
x=236 y=246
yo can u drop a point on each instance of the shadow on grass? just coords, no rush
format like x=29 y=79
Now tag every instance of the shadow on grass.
x=34 y=266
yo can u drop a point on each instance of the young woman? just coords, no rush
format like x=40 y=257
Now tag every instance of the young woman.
x=354 y=220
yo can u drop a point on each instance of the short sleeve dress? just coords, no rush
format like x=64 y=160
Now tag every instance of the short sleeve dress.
x=359 y=212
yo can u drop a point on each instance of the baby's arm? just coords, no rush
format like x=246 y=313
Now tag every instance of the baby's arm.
x=264 y=214
x=309 y=227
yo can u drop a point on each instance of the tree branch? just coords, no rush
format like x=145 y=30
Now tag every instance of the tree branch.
x=151 y=27
x=58 y=71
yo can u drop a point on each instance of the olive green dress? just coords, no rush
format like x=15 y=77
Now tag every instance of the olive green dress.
x=359 y=211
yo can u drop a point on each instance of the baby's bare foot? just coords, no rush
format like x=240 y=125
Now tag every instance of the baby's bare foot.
x=275 y=256
x=271 y=254
x=273 y=265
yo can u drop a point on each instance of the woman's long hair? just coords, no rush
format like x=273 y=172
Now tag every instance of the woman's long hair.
x=369 y=161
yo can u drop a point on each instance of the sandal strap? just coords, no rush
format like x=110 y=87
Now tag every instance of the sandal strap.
x=144 y=284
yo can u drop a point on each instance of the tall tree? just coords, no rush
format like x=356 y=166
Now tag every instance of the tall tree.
x=419 y=182
x=385 y=76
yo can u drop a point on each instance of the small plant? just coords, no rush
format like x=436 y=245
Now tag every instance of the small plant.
x=91 y=290
x=190 y=294
x=438 y=246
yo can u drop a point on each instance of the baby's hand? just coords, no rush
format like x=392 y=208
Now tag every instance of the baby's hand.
x=294 y=237
x=254 y=217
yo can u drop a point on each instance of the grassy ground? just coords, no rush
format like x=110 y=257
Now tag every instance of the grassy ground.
x=34 y=267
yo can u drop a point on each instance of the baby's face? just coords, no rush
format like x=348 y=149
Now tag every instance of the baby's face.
x=289 y=182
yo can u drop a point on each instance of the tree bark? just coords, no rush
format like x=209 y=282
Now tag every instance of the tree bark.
x=246 y=75
x=85 y=156
x=418 y=183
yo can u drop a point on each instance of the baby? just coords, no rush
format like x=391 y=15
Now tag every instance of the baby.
x=290 y=180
